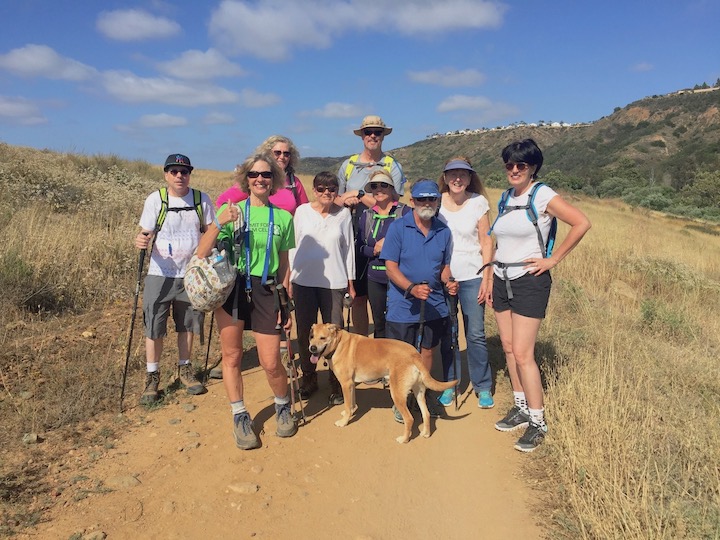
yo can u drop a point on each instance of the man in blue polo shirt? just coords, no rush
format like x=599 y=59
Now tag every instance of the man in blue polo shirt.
x=417 y=251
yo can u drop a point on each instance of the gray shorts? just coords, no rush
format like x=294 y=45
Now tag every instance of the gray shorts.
x=159 y=294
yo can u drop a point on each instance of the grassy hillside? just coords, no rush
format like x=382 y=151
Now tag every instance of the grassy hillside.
x=628 y=352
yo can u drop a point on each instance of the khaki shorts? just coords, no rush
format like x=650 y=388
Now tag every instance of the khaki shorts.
x=159 y=295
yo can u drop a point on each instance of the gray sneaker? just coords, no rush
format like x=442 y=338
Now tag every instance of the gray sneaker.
x=286 y=425
x=245 y=437
x=532 y=438
x=216 y=372
x=151 y=395
x=186 y=374
x=514 y=419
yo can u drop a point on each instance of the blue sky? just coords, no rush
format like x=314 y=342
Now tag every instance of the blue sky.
x=213 y=79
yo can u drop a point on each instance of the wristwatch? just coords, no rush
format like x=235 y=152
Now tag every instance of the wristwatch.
x=361 y=193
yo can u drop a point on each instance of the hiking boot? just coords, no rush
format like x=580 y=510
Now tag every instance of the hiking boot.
x=286 y=425
x=216 y=372
x=433 y=405
x=447 y=397
x=397 y=415
x=336 y=395
x=486 y=400
x=308 y=385
x=531 y=439
x=514 y=419
x=186 y=373
x=245 y=437
x=151 y=395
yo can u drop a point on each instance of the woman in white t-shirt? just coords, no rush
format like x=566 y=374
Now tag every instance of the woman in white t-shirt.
x=522 y=281
x=322 y=271
x=464 y=209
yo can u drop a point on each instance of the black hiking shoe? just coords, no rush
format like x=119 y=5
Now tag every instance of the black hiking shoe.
x=532 y=438
x=151 y=395
x=308 y=385
x=243 y=431
x=186 y=374
x=286 y=425
x=216 y=372
x=514 y=419
x=336 y=395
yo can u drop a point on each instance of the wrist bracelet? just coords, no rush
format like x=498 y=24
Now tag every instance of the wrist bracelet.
x=409 y=290
x=217 y=223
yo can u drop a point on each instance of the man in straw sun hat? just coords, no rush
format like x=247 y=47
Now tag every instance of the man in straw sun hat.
x=353 y=176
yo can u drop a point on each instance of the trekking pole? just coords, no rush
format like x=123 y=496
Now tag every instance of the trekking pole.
x=421 y=328
x=455 y=346
x=207 y=353
x=287 y=356
x=141 y=261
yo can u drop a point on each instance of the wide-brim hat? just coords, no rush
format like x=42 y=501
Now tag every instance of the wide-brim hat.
x=177 y=159
x=381 y=176
x=425 y=188
x=372 y=121
x=458 y=164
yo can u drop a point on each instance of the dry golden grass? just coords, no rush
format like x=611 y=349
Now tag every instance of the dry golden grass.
x=629 y=349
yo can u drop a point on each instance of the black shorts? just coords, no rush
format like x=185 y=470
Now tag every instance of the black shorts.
x=530 y=295
x=433 y=332
x=261 y=313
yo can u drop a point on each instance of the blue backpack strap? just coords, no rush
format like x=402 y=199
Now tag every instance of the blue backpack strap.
x=532 y=214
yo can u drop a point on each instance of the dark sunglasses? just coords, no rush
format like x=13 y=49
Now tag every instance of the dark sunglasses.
x=175 y=172
x=378 y=185
x=426 y=199
x=255 y=174
x=323 y=189
x=520 y=166
x=279 y=153
x=376 y=132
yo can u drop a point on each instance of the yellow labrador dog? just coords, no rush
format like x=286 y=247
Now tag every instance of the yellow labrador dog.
x=354 y=358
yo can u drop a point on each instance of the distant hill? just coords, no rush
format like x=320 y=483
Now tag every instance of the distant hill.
x=660 y=142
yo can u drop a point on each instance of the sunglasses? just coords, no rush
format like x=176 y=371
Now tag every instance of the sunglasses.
x=376 y=132
x=283 y=153
x=520 y=166
x=426 y=199
x=264 y=174
x=175 y=172
x=323 y=189
x=378 y=185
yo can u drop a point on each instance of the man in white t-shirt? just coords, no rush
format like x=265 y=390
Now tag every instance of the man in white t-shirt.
x=172 y=222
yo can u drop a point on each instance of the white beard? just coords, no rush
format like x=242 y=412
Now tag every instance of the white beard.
x=425 y=212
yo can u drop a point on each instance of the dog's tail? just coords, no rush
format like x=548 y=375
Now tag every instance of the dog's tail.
x=430 y=382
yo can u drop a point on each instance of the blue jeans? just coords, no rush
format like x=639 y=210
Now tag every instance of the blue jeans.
x=477 y=355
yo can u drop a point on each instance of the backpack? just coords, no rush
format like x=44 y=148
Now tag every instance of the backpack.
x=209 y=281
x=373 y=222
x=165 y=208
x=386 y=161
x=532 y=214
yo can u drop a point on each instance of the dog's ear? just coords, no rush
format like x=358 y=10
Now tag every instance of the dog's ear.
x=334 y=328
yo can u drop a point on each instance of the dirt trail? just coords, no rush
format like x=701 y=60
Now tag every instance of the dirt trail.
x=326 y=482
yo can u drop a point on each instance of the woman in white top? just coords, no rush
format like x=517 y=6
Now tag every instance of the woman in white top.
x=522 y=281
x=464 y=209
x=323 y=269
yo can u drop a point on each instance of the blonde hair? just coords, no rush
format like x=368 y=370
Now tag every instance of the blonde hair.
x=475 y=185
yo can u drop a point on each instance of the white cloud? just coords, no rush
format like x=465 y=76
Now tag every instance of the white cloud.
x=642 y=66
x=42 y=61
x=196 y=64
x=18 y=110
x=335 y=109
x=135 y=25
x=448 y=77
x=256 y=100
x=464 y=103
x=270 y=29
x=218 y=118
x=128 y=87
x=161 y=120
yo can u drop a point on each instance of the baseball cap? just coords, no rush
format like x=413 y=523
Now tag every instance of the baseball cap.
x=425 y=188
x=177 y=159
